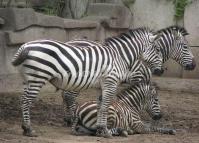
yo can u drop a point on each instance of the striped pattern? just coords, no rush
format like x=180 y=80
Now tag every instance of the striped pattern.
x=74 y=68
x=151 y=56
x=124 y=112
x=173 y=44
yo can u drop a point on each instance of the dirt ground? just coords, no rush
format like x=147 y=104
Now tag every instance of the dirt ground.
x=181 y=111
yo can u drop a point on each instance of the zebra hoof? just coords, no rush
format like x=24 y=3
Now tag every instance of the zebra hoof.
x=103 y=132
x=131 y=132
x=122 y=132
x=67 y=122
x=172 y=132
x=30 y=133
x=27 y=131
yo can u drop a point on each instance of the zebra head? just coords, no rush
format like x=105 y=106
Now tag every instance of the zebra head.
x=174 y=45
x=153 y=58
x=181 y=51
x=152 y=55
x=152 y=105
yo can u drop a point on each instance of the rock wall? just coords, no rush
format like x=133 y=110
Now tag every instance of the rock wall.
x=153 y=13
x=191 y=22
x=160 y=14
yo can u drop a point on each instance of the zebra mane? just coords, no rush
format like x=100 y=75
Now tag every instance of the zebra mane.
x=176 y=28
x=131 y=32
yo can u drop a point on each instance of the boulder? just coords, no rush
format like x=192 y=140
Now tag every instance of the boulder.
x=113 y=15
x=155 y=14
x=191 y=23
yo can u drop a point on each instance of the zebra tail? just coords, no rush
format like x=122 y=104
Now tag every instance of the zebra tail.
x=20 y=56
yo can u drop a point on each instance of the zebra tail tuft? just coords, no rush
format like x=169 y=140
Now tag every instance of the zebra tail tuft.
x=20 y=56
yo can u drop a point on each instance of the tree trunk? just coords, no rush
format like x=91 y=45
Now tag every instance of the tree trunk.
x=78 y=8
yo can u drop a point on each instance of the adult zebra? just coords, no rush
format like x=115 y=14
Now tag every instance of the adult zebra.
x=124 y=112
x=68 y=67
x=172 y=44
x=149 y=56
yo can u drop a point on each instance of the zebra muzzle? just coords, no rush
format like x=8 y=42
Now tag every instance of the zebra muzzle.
x=191 y=66
x=158 y=72
x=157 y=117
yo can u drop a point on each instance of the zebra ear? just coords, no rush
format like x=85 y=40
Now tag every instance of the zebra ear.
x=176 y=35
x=153 y=38
x=184 y=33
x=157 y=36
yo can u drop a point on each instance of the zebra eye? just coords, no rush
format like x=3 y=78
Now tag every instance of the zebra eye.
x=153 y=91
x=158 y=50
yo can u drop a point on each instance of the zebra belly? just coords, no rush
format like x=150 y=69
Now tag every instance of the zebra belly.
x=83 y=82
x=62 y=80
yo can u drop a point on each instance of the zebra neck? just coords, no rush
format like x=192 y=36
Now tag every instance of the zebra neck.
x=132 y=97
x=127 y=52
x=167 y=45
x=146 y=72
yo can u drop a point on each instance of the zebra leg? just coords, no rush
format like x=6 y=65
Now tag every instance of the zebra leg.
x=31 y=90
x=118 y=132
x=108 y=91
x=70 y=105
x=74 y=126
x=163 y=130
x=144 y=129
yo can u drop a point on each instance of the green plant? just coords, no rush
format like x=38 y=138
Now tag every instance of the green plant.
x=51 y=7
x=128 y=3
x=180 y=6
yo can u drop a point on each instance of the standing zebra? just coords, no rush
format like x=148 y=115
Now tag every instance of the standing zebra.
x=149 y=56
x=124 y=112
x=172 y=44
x=71 y=68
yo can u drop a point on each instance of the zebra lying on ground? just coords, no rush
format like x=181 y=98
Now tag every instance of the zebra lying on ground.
x=124 y=113
x=172 y=44
x=69 y=67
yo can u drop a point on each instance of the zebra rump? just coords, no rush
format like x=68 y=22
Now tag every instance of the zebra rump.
x=20 y=56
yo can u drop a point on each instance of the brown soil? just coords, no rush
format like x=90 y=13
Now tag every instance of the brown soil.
x=181 y=111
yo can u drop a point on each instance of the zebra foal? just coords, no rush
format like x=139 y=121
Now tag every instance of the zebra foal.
x=173 y=45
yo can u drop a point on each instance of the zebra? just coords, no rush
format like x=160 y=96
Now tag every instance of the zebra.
x=149 y=56
x=123 y=113
x=172 y=45
x=72 y=68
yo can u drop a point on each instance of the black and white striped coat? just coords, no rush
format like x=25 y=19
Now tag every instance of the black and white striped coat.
x=124 y=112
x=69 y=67
x=172 y=44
